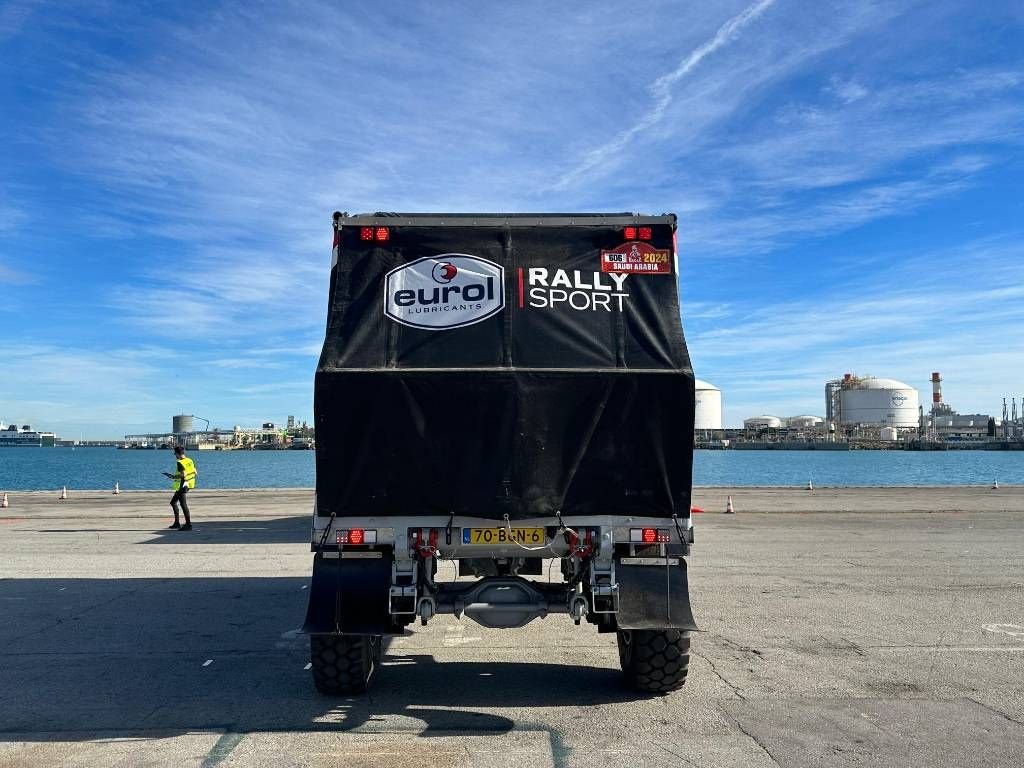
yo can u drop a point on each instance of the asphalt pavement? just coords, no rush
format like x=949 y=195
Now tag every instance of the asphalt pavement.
x=840 y=627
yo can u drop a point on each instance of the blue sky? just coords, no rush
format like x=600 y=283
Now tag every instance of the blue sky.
x=848 y=178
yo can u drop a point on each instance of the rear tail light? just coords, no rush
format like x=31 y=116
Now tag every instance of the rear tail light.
x=649 y=536
x=637 y=233
x=380 y=234
x=357 y=536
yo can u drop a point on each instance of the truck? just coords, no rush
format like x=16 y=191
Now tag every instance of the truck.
x=512 y=393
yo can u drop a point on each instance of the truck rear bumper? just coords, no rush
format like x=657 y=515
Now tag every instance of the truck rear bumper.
x=359 y=597
x=449 y=534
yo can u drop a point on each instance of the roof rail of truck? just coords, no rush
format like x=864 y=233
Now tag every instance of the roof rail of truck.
x=500 y=219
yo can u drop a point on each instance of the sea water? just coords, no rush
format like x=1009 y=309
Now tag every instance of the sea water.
x=42 y=469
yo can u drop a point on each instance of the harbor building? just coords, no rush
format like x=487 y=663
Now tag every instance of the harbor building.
x=944 y=423
x=268 y=436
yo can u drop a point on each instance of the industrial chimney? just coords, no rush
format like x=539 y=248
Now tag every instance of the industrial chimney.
x=936 y=390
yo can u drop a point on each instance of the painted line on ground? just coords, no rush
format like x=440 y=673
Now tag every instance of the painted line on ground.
x=221 y=749
x=454 y=635
x=954 y=648
x=1013 y=630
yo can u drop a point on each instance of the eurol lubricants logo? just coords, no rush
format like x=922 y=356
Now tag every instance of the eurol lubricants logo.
x=444 y=272
x=447 y=291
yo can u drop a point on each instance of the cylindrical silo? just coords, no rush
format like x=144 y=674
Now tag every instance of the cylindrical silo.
x=181 y=423
x=707 y=414
x=878 y=402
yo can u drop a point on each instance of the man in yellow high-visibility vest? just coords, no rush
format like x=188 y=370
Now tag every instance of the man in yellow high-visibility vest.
x=184 y=478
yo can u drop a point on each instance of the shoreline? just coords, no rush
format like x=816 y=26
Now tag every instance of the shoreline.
x=310 y=488
x=712 y=500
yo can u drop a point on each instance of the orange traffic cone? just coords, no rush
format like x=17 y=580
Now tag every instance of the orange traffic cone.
x=4 y=504
x=117 y=489
x=728 y=507
x=63 y=494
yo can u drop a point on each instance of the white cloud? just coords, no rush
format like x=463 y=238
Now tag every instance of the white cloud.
x=903 y=320
x=221 y=146
x=11 y=276
x=847 y=91
x=47 y=385
x=112 y=392
x=11 y=218
x=14 y=15
x=661 y=91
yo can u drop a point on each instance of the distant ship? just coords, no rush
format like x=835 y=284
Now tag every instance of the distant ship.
x=14 y=436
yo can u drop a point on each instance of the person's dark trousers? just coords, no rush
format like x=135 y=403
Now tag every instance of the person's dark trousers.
x=179 y=497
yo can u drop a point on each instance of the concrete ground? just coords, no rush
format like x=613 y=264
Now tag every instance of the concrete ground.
x=892 y=636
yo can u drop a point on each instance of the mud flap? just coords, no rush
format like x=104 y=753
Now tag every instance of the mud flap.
x=350 y=597
x=654 y=596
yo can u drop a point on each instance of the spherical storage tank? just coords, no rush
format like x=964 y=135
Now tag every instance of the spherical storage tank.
x=762 y=422
x=707 y=412
x=878 y=402
x=181 y=423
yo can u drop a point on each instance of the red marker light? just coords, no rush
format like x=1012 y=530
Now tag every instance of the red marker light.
x=645 y=233
x=381 y=234
x=629 y=233
x=649 y=536
x=356 y=536
x=366 y=233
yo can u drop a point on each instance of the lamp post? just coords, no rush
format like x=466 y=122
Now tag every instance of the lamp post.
x=207 y=428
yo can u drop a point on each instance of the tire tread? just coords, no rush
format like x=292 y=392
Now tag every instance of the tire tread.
x=658 y=661
x=343 y=664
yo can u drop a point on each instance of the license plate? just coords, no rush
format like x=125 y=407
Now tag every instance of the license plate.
x=527 y=536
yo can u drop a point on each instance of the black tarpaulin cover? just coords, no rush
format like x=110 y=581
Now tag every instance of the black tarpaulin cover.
x=498 y=368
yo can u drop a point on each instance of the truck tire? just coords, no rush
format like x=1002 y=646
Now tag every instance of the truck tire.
x=654 y=660
x=344 y=664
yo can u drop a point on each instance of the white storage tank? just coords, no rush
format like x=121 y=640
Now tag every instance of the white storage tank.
x=878 y=402
x=804 y=422
x=889 y=434
x=763 y=422
x=707 y=414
